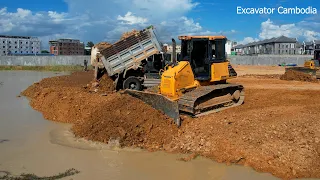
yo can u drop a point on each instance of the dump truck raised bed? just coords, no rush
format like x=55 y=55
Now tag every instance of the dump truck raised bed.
x=125 y=61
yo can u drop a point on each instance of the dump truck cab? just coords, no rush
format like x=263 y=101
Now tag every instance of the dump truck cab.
x=207 y=57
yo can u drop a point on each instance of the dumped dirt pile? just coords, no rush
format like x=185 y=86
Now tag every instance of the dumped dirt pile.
x=75 y=80
x=130 y=33
x=124 y=117
x=102 y=45
x=297 y=76
x=275 y=131
x=63 y=98
x=104 y=85
x=97 y=117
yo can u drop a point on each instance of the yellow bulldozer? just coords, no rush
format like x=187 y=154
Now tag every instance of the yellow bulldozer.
x=197 y=84
x=311 y=67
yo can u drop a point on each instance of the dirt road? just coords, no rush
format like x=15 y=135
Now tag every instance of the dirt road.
x=262 y=70
x=275 y=131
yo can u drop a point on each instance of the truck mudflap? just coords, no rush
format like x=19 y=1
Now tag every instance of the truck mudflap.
x=158 y=102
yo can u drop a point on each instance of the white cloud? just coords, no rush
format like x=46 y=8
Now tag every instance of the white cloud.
x=56 y=17
x=247 y=40
x=22 y=13
x=101 y=20
x=191 y=24
x=269 y=30
x=40 y=24
x=302 y=30
x=3 y=11
x=24 y=22
x=129 y=18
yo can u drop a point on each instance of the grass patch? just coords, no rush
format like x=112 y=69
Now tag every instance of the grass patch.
x=45 y=68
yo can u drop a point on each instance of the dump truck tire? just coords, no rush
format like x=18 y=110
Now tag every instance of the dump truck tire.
x=132 y=83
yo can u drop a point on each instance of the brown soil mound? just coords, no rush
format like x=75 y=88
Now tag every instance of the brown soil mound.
x=130 y=33
x=297 y=76
x=277 y=135
x=76 y=79
x=102 y=45
x=275 y=131
x=104 y=85
x=122 y=116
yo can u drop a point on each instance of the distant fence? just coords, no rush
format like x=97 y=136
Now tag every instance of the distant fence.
x=269 y=59
x=78 y=60
x=42 y=60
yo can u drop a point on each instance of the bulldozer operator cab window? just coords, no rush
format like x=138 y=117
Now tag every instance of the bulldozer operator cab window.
x=218 y=51
x=198 y=50
x=201 y=53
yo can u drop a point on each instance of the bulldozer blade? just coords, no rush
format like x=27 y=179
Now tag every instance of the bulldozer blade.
x=158 y=102
x=312 y=72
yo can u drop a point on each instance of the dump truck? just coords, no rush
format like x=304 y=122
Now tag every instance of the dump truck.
x=197 y=84
x=311 y=67
x=133 y=62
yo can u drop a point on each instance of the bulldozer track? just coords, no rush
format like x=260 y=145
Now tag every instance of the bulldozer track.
x=191 y=101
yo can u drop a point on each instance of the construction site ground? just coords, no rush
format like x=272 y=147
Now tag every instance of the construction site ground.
x=275 y=130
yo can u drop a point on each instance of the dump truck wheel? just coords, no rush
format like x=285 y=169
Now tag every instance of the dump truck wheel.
x=132 y=83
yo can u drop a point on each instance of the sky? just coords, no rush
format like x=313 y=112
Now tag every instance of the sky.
x=106 y=20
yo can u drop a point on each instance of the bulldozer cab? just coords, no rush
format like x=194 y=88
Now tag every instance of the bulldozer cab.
x=202 y=52
x=315 y=62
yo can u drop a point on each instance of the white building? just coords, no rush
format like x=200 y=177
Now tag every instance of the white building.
x=169 y=48
x=229 y=46
x=19 y=45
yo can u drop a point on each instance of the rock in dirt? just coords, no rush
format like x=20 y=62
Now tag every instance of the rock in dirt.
x=292 y=75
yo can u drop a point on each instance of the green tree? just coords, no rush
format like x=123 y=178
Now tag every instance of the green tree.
x=90 y=44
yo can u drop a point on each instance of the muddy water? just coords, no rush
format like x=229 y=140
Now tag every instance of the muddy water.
x=30 y=144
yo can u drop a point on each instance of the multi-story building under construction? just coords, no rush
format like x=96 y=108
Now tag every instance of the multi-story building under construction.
x=10 y=45
x=66 y=47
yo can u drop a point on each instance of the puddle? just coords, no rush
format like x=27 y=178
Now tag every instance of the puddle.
x=64 y=137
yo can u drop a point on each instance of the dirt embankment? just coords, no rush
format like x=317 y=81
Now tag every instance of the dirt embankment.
x=274 y=131
x=71 y=99
x=297 y=76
